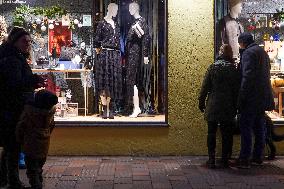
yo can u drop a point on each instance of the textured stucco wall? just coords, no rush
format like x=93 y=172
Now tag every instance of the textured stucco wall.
x=190 y=38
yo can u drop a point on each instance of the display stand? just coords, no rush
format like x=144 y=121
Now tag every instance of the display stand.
x=66 y=76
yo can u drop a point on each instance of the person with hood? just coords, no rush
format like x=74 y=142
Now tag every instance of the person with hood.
x=255 y=97
x=33 y=132
x=220 y=91
x=17 y=83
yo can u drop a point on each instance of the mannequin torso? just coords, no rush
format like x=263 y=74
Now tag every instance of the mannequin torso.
x=110 y=21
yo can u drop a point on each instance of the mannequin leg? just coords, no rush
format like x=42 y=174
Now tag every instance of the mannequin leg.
x=109 y=108
x=136 y=109
x=104 y=103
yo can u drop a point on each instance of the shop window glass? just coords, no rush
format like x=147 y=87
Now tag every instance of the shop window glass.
x=105 y=60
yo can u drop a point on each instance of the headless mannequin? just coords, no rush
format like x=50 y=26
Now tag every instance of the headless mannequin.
x=134 y=11
x=236 y=10
x=105 y=99
x=232 y=28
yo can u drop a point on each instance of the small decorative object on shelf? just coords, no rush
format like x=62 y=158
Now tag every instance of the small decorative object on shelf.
x=266 y=37
x=68 y=95
x=276 y=37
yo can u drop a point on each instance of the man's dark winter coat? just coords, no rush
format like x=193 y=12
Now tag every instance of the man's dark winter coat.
x=255 y=92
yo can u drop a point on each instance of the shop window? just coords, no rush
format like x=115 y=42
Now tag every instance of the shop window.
x=265 y=21
x=105 y=60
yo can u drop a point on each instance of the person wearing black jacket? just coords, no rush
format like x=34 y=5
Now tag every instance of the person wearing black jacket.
x=220 y=87
x=255 y=97
x=17 y=83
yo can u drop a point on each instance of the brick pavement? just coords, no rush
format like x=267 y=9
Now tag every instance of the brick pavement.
x=90 y=172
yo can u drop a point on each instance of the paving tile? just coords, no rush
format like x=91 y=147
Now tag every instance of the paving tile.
x=107 y=169
x=105 y=178
x=103 y=185
x=123 y=186
x=85 y=185
x=65 y=185
x=161 y=185
x=143 y=178
x=123 y=180
x=180 y=185
x=142 y=185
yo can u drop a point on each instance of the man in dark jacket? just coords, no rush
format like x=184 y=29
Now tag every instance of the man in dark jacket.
x=255 y=97
x=17 y=83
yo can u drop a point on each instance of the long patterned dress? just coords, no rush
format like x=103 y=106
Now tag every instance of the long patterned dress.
x=136 y=49
x=108 y=69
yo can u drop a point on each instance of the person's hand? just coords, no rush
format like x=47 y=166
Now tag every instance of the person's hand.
x=201 y=107
x=146 y=60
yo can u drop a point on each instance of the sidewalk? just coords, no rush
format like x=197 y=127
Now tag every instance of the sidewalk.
x=92 y=172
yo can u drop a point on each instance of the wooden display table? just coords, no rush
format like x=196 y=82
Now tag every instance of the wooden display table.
x=279 y=90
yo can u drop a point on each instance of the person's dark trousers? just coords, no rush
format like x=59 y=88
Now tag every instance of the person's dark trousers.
x=9 y=165
x=252 y=123
x=227 y=138
x=34 y=171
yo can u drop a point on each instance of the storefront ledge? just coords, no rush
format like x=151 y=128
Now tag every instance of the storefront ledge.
x=109 y=124
x=278 y=123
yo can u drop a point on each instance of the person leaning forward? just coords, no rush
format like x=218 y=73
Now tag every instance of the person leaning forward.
x=17 y=83
x=255 y=97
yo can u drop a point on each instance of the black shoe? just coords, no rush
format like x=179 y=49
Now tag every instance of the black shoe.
x=256 y=161
x=223 y=164
x=211 y=164
x=104 y=116
x=243 y=164
x=111 y=116
x=271 y=157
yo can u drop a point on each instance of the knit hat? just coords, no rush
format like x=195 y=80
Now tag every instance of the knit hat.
x=45 y=99
x=246 y=38
x=234 y=2
x=16 y=33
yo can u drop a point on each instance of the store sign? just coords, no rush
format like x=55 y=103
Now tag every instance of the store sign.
x=87 y=20
x=14 y=2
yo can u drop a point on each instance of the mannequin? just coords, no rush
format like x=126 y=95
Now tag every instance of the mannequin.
x=108 y=67
x=138 y=52
x=230 y=28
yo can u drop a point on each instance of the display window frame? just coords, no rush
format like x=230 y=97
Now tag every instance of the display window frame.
x=114 y=123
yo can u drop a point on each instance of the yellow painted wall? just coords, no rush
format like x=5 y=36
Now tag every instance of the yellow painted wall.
x=190 y=49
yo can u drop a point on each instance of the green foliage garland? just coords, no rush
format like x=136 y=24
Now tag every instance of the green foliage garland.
x=24 y=11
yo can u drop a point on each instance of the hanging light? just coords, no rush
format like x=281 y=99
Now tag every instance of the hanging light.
x=76 y=21
x=43 y=28
x=51 y=26
x=38 y=21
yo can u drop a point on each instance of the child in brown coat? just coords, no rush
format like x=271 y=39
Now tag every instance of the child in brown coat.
x=33 y=132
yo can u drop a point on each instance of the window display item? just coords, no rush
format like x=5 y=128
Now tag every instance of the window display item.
x=87 y=20
x=138 y=53
x=108 y=65
x=276 y=37
x=71 y=109
x=230 y=27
